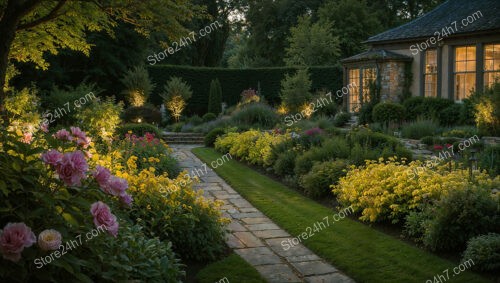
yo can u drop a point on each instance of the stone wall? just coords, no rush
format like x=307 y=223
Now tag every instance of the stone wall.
x=392 y=80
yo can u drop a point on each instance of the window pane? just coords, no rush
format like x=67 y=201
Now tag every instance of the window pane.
x=464 y=84
x=488 y=65
x=471 y=53
x=490 y=77
x=430 y=85
x=460 y=53
x=460 y=67
x=471 y=66
x=354 y=92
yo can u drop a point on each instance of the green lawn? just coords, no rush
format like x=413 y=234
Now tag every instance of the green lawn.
x=363 y=253
x=233 y=267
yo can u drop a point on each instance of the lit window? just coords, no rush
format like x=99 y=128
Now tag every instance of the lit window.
x=369 y=76
x=354 y=103
x=465 y=71
x=491 y=64
x=430 y=73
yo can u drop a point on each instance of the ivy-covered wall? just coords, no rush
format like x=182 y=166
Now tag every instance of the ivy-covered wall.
x=234 y=81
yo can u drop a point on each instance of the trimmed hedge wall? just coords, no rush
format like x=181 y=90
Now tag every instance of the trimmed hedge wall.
x=234 y=81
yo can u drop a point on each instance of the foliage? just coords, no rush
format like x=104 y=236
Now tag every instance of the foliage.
x=332 y=149
x=295 y=90
x=487 y=111
x=252 y=146
x=213 y=135
x=175 y=96
x=148 y=151
x=248 y=96
x=285 y=163
x=425 y=107
x=101 y=118
x=484 y=251
x=448 y=116
x=195 y=120
x=209 y=117
x=458 y=216
x=137 y=129
x=461 y=132
x=341 y=119
x=233 y=81
x=317 y=182
x=138 y=86
x=172 y=210
x=366 y=113
x=489 y=159
x=419 y=129
x=215 y=97
x=312 y=44
x=387 y=112
x=255 y=115
x=22 y=108
x=134 y=256
x=389 y=189
x=147 y=114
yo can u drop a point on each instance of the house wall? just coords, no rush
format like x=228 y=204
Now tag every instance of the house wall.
x=392 y=80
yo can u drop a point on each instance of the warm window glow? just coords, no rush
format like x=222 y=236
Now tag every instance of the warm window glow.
x=491 y=64
x=430 y=73
x=354 y=92
x=369 y=76
x=465 y=71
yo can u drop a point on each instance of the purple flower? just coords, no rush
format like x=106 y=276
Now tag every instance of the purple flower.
x=72 y=168
x=63 y=135
x=52 y=157
x=103 y=217
x=116 y=186
x=102 y=175
x=314 y=131
x=126 y=199
x=14 y=238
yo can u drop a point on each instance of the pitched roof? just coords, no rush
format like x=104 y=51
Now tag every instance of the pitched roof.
x=376 y=55
x=442 y=17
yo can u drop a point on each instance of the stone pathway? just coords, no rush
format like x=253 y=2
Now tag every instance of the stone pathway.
x=256 y=238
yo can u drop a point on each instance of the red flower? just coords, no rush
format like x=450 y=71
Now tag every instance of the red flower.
x=438 y=147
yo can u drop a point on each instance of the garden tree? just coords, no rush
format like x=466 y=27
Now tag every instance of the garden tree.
x=175 y=95
x=215 y=97
x=295 y=90
x=392 y=13
x=31 y=28
x=269 y=23
x=353 y=22
x=138 y=86
x=312 y=44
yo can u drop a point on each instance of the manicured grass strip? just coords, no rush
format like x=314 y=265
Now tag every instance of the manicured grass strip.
x=234 y=268
x=363 y=253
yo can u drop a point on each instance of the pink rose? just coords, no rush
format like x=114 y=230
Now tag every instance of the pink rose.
x=126 y=199
x=103 y=216
x=63 y=135
x=83 y=142
x=49 y=240
x=101 y=175
x=44 y=127
x=14 y=238
x=72 y=168
x=27 y=138
x=52 y=157
x=116 y=186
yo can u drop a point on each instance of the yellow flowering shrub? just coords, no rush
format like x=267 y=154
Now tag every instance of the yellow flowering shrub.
x=252 y=146
x=388 y=189
x=172 y=210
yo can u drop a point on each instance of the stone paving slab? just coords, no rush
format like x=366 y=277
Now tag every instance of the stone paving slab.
x=255 y=237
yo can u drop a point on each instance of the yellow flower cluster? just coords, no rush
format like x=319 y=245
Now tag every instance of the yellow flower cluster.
x=385 y=189
x=253 y=146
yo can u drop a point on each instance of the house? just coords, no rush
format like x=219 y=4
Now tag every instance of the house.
x=448 y=52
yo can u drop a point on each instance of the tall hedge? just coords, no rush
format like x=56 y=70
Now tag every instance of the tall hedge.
x=234 y=81
x=215 y=97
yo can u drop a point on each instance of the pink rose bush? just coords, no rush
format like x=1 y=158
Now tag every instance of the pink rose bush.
x=103 y=217
x=71 y=167
x=76 y=135
x=112 y=185
x=14 y=238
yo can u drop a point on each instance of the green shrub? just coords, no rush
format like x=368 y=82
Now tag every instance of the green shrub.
x=133 y=256
x=371 y=139
x=467 y=114
x=215 y=97
x=487 y=111
x=256 y=114
x=432 y=106
x=285 y=163
x=489 y=159
x=387 y=112
x=324 y=107
x=317 y=182
x=461 y=132
x=101 y=118
x=413 y=106
x=147 y=114
x=212 y=136
x=334 y=148
x=341 y=119
x=450 y=116
x=419 y=129
x=138 y=86
x=137 y=129
x=360 y=153
x=209 y=117
x=461 y=215
x=295 y=90
x=175 y=96
x=366 y=113
x=195 y=120
x=484 y=251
